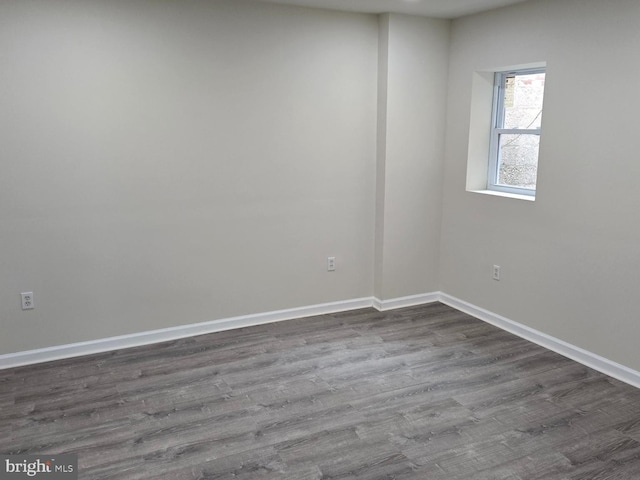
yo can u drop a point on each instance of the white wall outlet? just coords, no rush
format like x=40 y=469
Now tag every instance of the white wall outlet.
x=27 y=301
x=331 y=264
x=496 y=272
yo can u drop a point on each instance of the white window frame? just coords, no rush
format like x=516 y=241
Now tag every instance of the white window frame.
x=497 y=129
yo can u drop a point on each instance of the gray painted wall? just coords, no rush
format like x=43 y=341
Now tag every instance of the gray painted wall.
x=571 y=259
x=413 y=70
x=166 y=163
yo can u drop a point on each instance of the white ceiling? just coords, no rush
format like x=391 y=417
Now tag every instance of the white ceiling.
x=429 y=8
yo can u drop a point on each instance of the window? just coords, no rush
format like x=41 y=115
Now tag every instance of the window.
x=515 y=131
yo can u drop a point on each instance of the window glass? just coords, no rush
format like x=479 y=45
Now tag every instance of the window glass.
x=518 y=159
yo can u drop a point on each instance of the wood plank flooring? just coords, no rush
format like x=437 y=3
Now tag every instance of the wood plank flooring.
x=417 y=393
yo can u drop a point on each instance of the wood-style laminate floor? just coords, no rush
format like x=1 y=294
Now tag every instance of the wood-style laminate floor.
x=417 y=393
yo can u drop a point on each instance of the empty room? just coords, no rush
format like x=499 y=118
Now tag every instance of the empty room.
x=319 y=239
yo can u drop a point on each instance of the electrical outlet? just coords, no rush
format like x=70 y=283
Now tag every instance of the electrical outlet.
x=331 y=264
x=27 y=301
x=496 y=272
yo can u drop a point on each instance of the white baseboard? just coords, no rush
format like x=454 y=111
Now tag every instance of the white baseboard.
x=604 y=365
x=59 y=352
x=402 y=302
x=580 y=355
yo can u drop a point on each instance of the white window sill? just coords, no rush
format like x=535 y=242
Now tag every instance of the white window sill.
x=530 y=198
